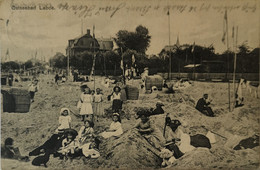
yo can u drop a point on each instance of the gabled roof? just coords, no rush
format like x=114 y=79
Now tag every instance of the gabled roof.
x=105 y=43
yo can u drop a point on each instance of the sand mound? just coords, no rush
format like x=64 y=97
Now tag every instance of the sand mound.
x=198 y=158
x=131 y=150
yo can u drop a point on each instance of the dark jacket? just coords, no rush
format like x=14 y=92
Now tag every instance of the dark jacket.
x=201 y=104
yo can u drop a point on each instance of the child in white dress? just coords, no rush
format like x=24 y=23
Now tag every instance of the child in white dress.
x=86 y=105
x=85 y=133
x=64 y=120
x=115 y=128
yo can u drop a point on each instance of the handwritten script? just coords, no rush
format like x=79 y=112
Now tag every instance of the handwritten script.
x=84 y=10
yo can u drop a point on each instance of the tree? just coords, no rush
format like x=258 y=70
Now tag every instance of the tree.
x=11 y=65
x=58 y=60
x=138 y=40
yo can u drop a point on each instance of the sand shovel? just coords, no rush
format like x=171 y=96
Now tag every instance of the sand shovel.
x=148 y=146
x=214 y=132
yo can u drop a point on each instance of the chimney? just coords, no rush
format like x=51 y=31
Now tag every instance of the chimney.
x=88 y=31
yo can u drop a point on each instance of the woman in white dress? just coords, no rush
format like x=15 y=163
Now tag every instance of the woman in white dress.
x=86 y=100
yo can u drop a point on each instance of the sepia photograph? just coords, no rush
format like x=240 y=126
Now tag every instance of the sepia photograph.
x=129 y=84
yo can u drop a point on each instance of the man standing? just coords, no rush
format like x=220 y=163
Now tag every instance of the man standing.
x=203 y=106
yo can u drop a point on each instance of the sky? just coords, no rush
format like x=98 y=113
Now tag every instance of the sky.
x=23 y=32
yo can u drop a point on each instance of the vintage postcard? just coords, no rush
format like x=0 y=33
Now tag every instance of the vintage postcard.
x=128 y=84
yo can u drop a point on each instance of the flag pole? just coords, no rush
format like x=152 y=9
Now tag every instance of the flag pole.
x=235 y=61
x=170 y=60
x=94 y=58
x=228 y=62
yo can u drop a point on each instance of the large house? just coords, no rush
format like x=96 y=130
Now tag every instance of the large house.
x=87 y=42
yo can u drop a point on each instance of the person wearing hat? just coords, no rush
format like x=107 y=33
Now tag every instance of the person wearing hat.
x=64 y=120
x=115 y=128
x=33 y=88
x=203 y=106
x=116 y=99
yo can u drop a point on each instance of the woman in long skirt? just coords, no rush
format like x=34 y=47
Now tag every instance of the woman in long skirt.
x=116 y=98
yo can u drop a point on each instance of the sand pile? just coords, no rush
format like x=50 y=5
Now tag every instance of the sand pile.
x=131 y=150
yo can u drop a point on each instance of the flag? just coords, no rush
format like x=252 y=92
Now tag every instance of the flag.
x=93 y=66
x=193 y=47
x=168 y=12
x=224 y=28
x=233 y=32
x=178 y=42
x=122 y=64
x=133 y=59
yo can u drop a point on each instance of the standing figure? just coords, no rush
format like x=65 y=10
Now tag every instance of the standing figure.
x=75 y=76
x=33 y=88
x=63 y=79
x=203 y=106
x=86 y=109
x=116 y=100
x=56 y=78
x=239 y=95
x=98 y=106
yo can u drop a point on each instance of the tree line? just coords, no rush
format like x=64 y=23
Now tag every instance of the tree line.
x=136 y=43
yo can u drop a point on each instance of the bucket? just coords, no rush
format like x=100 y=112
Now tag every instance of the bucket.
x=8 y=104
x=22 y=100
x=3 y=81
x=155 y=80
x=132 y=93
x=123 y=94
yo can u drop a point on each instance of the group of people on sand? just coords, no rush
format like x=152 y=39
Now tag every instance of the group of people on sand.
x=67 y=143
x=91 y=102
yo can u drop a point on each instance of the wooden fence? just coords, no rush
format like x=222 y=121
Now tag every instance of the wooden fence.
x=211 y=76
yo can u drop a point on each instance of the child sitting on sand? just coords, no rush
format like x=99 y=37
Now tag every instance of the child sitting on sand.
x=11 y=152
x=85 y=133
x=147 y=130
x=68 y=146
x=64 y=120
x=115 y=128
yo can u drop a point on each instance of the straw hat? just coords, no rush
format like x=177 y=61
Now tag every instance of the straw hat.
x=63 y=109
